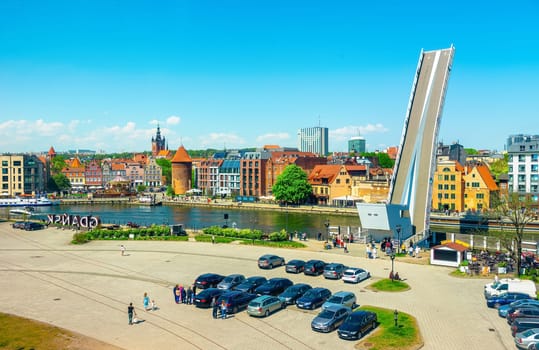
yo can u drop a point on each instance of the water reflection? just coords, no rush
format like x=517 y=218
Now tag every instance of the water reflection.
x=200 y=217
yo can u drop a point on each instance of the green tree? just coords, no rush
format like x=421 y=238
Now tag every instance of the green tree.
x=471 y=151
x=57 y=164
x=166 y=167
x=141 y=188
x=292 y=186
x=500 y=166
x=61 y=181
x=518 y=211
x=170 y=191
x=380 y=159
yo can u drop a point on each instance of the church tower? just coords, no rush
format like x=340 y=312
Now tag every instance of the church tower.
x=158 y=143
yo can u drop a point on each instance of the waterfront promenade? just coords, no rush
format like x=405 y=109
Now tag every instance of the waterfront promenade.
x=87 y=289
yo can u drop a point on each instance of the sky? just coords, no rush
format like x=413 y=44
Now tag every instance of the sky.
x=101 y=75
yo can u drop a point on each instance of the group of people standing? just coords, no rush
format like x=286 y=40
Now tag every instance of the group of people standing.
x=184 y=296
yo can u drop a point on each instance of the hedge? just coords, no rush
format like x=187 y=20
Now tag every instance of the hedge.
x=153 y=232
x=245 y=234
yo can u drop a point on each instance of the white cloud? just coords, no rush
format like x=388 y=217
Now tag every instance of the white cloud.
x=220 y=140
x=346 y=132
x=173 y=120
x=273 y=137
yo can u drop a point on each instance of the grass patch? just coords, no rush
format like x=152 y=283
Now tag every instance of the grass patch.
x=275 y=244
x=387 y=285
x=218 y=239
x=405 y=336
x=21 y=333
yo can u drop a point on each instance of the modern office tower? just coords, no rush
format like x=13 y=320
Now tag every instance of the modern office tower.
x=523 y=151
x=356 y=145
x=21 y=174
x=313 y=140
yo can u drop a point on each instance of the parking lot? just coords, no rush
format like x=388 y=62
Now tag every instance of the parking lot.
x=87 y=289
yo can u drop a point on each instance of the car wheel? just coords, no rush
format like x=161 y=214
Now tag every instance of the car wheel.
x=235 y=310
x=283 y=306
x=266 y=313
x=373 y=326
x=271 y=266
x=359 y=334
x=282 y=262
x=497 y=305
x=312 y=307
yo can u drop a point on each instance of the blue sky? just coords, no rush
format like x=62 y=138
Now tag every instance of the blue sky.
x=101 y=74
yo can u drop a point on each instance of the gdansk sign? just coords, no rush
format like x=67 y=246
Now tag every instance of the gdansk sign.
x=88 y=221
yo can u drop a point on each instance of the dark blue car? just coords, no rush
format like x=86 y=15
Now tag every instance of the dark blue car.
x=313 y=298
x=505 y=298
x=274 y=286
x=235 y=300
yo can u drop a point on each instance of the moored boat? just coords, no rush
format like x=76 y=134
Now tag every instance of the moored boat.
x=26 y=202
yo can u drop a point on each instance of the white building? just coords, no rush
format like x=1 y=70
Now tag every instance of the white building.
x=523 y=151
x=313 y=140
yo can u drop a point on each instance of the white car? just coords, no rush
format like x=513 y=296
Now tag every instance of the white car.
x=355 y=275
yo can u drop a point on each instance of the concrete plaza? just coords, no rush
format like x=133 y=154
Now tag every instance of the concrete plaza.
x=87 y=288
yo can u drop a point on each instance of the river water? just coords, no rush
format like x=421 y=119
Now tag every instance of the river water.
x=200 y=217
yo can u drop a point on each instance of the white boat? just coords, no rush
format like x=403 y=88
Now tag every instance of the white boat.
x=20 y=212
x=25 y=202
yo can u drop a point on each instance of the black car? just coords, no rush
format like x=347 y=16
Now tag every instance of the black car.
x=204 y=298
x=357 y=324
x=295 y=266
x=250 y=284
x=31 y=226
x=274 y=286
x=313 y=298
x=292 y=293
x=235 y=300
x=208 y=280
x=314 y=267
x=19 y=224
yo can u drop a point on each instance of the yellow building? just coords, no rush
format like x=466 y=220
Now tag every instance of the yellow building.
x=74 y=171
x=480 y=187
x=21 y=174
x=448 y=186
x=329 y=182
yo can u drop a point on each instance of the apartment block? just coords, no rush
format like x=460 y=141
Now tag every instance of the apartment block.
x=21 y=174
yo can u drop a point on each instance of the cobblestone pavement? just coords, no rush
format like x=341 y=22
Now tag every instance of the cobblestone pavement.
x=87 y=289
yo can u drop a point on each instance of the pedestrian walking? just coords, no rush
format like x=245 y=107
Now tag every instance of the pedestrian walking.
x=130 y=313
x=194 y=290
x=146 y=302
x=212 y=239
x=122 y=250
x=177 y=294
x=183 y=295
x=417 y=251
x=223 y=309
x=189 y=296
x=368 y=251
x=345 y=247
x=153 y=305
x=215 y=307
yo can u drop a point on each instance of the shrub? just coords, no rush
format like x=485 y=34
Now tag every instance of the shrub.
x=79 y=238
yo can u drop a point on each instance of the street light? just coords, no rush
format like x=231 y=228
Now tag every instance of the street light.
x=392 y=256
x=398 y=229
x=327 y=229
x=396 y=317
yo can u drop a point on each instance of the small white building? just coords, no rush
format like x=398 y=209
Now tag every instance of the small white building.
x=448 y=254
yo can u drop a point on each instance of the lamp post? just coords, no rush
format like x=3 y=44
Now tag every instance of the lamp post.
x=392 y=256
x=398 y=229
x=327 y=229
x=396 y=317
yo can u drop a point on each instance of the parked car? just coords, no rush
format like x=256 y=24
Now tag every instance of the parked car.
x=527 y=339
x=355 y=275
x=522 y=324
x=231 y=281
x=295 y=266
x=31 y=226
x=208 y=280
x=503 y=310
x=250 y=284
x=314 y=267
x=330 y=318
x=269 y=261
x=334 y=271
x=512 y=286
x=204 y=298
x=274 y=286
x=357 y=324
x=19 y=224
x=235 y=300
x=292 y=293
x=347 y=299
x=313 y=298
x=530 y=312
x=505 y=298
x=265 y=305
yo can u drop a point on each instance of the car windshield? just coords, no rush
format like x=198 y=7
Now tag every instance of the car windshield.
x=327 y=314
x=310 y=294
x=254 y=304
x=331 y=267
x=528 y=333
x=335 y=300
x=350 y=273
x=353 y=319
x=228 y=279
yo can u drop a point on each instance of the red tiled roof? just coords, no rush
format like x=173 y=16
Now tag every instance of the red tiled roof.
x=181 y=156
x=320 y=172
x=484 y=172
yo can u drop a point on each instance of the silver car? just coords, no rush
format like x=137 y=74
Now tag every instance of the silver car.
x=334 y=271
x=525 y=340
x=231 y=281
x=355 y=275
x=347 y=299
x=265 y=305
x=330 y=319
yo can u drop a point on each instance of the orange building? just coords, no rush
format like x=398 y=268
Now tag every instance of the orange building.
x=329 y=182
x=480 y=187
x=182 y=166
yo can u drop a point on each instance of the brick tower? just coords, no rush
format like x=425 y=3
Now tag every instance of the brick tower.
x=181 y=171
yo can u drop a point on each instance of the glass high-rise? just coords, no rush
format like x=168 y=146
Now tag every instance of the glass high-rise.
x=313 y=140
